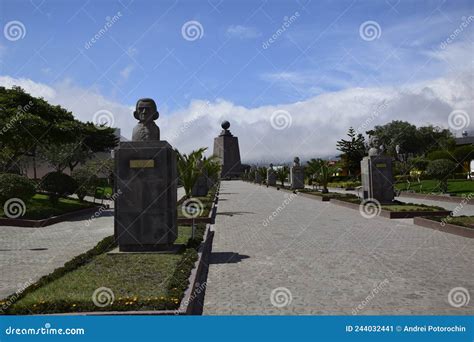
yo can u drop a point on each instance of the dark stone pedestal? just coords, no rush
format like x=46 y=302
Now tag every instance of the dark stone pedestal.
x=297 y=177
x=226 y=147
x=271 y=177
x=201 y=187
x=377 y=178
x=145 y=208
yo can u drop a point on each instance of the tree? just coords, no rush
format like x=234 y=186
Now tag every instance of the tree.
x=262 y=171
x=322 y=172
x=353 y=150
x=441 y=170
x=29 y=124
x=188 y=169
x=412 y=140
x=282 y=174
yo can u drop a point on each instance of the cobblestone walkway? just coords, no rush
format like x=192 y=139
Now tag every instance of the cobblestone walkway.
x=319 y=258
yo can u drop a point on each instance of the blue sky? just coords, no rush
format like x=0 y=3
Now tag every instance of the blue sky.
x=144 y=53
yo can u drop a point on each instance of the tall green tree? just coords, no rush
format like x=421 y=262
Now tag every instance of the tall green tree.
x=353 y=150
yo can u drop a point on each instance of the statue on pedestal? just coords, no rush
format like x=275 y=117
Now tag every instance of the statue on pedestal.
x=146 y=129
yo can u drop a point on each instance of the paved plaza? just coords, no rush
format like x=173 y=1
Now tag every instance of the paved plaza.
x=315 y=257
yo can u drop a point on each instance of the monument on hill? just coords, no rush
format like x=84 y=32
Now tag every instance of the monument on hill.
x=376 y=174
x=226 y=148
x=146 y=179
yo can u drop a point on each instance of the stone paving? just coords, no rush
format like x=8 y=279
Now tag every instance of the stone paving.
x=26 y=254
x=329 y=259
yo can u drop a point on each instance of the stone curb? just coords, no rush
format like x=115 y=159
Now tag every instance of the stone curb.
x=47 y=222
x=447 y=228
x=394 y=214
x=453 y=199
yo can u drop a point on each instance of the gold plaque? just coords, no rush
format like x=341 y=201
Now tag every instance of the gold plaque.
x=142 y=163
x=380 y=166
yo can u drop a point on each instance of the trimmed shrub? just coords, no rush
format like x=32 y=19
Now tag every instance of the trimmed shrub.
x=86 y=181
x=58 y=184
x=15 y=186
x=441 y=170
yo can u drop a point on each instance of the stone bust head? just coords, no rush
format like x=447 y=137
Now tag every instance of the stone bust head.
x=146 y=129
x=296 y=161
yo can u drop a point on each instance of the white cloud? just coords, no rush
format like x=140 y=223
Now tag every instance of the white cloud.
x=243 y=32
x=125 y=72
x=316 y=123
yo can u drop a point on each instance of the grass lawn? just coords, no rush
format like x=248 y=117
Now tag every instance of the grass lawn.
x=464 y=221
x=39 y=207
x=138 y=281
x=207 y=205
x=411 y=207
x=455 y=186
x=103 y=192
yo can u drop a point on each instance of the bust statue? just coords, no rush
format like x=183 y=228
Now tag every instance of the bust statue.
x=146 y=129
x=296 y=161
x=270 y=168
x=375 y=148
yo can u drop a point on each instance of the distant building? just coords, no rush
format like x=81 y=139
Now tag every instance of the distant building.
x=467 y=138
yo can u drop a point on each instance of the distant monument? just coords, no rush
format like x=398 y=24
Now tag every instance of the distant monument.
x=146 y=179
x=226 y=148
x=271 y=176
x=297 y=175
x=376 y=174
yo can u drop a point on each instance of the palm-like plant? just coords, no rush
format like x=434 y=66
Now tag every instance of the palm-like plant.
x=212 y=168
x=322 y=171
x=262 y=171
x=189 y=170
x=282 y=174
